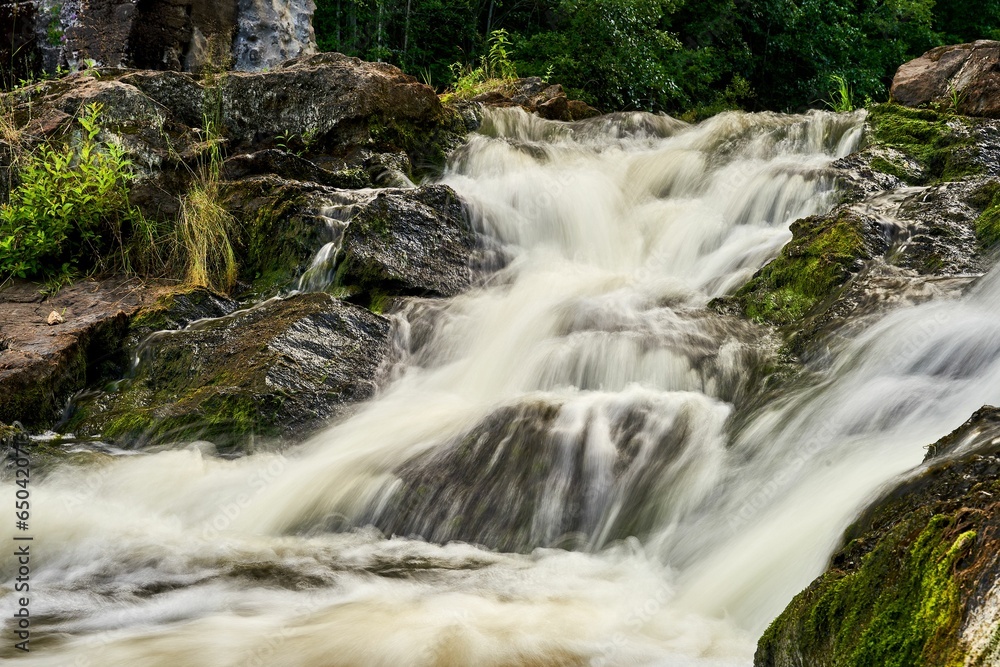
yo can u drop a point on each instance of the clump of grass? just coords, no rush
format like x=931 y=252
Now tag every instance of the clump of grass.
x=496 y=70
x=205 y=225
x=841 y=98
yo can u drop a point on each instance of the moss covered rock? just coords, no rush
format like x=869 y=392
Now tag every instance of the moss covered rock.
x=276 y=369
x=921 y=146
x=824 y=253
x=916 y=581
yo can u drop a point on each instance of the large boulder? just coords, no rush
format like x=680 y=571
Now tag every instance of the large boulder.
x=277 y=369
x=963 y=76
x=916 y=580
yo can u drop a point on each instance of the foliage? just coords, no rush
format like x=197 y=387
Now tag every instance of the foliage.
x=669 y=55
x=205 y=225
x=841 y=99
x=70 y=206
x=495 y=70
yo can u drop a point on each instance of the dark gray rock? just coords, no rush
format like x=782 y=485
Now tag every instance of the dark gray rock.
x=277 y=369
x=411 y=243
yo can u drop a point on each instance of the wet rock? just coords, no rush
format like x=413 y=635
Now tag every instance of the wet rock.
x=964 y=77
x=41 y=366
x=277 y=369
x=916 y=580
x=173 y=308
x=411 y=243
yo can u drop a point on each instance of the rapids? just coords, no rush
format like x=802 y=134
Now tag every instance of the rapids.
x=575 y=416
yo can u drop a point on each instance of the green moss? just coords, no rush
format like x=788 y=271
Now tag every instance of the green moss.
x=940 y=143
x=899 y=608
x=987 y=198
x=819 y=259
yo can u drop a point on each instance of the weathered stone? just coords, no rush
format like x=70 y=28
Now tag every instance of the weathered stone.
x=963 y=76
x=277 y=369
x=42 y=365
x=916 y=580
x=268 y=33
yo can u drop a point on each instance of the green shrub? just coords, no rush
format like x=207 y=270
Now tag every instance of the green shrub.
x=69 y=207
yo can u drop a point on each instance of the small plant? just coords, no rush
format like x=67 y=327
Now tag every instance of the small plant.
x=54 y=32
x=296 y=144
x=956 y=98
x=841 y=97
x=205 y=225
x=496 y=70
x=69 y=206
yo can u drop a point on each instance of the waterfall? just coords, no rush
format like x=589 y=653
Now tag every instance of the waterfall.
x=555 y=474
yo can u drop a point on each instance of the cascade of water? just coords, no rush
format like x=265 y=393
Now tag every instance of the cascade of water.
x=581 y=400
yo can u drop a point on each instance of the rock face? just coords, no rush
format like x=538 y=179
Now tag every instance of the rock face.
x=340 y=113
x=42 y=364
x=917 y=578
x=188 y=35
x=968 y=74
x=275 y=369
x=271 y=32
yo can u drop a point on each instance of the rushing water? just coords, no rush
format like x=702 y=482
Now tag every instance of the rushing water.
x=574 y=416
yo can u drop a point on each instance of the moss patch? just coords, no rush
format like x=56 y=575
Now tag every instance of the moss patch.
x=941 y=144
x=821 y=257
x=900 y=608
x=987 y=199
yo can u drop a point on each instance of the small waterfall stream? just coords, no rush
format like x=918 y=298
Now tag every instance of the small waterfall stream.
x=573 y=417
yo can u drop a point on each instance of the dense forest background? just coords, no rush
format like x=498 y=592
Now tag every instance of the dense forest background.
x=695 y=56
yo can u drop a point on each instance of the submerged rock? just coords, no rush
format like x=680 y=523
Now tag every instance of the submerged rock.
x=963 y=77
x=277 y=369
x=916 y=580
x=576 y=475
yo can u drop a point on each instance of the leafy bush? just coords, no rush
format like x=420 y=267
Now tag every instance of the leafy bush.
x=69 y=207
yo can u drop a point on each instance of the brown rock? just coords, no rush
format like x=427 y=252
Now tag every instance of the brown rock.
x=554 y=109
x=968 y=72
x=41 y=366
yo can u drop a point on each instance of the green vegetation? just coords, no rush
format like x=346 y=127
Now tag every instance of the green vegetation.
x=819 y=259
x=205 y=225
x=842 y=98
x=987 y=199
x=670 y=55
x=900 y=607
x=495 y=70
x=70 y=209
x=938 y=142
